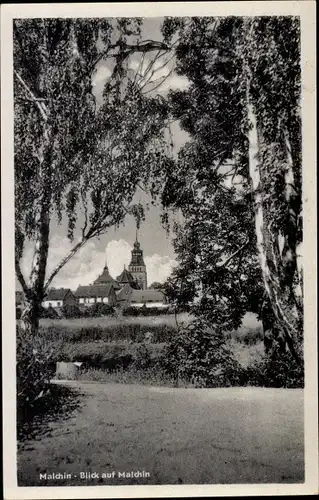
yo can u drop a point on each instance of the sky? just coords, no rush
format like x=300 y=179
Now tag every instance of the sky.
x=115 y=246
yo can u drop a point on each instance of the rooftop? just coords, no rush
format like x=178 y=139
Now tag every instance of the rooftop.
x=94 y=291
x=57 y=293
x=125 y=277
x=145 y=295
x=105 y=278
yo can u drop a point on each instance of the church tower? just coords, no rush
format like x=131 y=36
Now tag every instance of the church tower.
x=137 y=267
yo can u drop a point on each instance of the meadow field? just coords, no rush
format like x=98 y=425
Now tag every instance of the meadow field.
x=111 y=321
x=132 y=349
x=250 y=321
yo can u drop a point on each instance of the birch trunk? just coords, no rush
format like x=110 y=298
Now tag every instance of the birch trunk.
x=273 y=272
x=31 y=312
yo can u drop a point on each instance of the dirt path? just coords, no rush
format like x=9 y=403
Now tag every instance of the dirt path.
x=190 y=436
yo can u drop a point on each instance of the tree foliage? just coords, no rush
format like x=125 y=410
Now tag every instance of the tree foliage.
x=241 y=201
x=75 y=157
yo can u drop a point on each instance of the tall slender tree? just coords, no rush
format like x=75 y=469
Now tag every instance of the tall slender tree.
x=242 y=111
x=72 y=158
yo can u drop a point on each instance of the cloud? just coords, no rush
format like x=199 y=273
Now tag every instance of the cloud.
x=118 y=254
x=159 y=268
x=87 y=264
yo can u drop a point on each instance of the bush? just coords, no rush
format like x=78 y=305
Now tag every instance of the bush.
x=202 y=356
x=71 y=311
x=97 y=310
x=105 y=354
x=147 y=311
x=35 y=365
x=276 y=370
x=247 y=336
x=49 y=312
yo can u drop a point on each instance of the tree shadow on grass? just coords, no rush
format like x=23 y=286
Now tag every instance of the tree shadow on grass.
x=59 y=404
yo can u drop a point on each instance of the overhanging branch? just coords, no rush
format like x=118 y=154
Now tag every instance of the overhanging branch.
x=64 y=261
x=147 y=46
x=38 y=102
x=225 y=262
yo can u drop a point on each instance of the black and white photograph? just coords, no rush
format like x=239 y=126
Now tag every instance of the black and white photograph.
x=160 y=276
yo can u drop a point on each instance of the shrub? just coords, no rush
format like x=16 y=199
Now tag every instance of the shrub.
x=147 y=311
x=71 y=311
x=200 y=355
x=97 y=310
x=105 y=354
x=247 y=336
x=276 y=370
x=87 y=333
x=49 y=312
x=35 y=364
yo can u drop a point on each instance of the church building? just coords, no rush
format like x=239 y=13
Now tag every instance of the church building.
x=129 y=288
x=137 y=267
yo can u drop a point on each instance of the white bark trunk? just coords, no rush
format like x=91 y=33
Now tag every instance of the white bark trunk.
x=265 y=243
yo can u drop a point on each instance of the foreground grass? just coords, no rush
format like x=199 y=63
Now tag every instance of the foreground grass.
x=34 y=422
x=129 y=376
x=179 y=436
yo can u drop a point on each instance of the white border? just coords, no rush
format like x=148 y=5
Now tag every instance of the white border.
x=306 y=10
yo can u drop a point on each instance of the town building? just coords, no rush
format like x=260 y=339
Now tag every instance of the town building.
x=59 y=297
x=128 y=296
x=148 y=298
x=95 y=294
x=129 y=289
x=106 y=279
x=126 y=278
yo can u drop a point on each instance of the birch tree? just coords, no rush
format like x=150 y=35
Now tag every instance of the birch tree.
x=242 y=111
x=72 y=158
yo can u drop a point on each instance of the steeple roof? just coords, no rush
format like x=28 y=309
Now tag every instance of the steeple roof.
x=105 y=278
x=136 y=243
x=125 y=277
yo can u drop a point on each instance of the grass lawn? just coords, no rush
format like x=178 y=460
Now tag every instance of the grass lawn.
x=190 y=436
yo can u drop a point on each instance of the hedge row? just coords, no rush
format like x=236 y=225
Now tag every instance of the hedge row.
x=97 y=310
x=128 y=332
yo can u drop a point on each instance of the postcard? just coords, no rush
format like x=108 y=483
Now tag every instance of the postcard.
x=159 y=249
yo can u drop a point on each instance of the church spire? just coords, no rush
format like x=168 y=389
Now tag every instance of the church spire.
x=137 y=266
x=136 y=244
